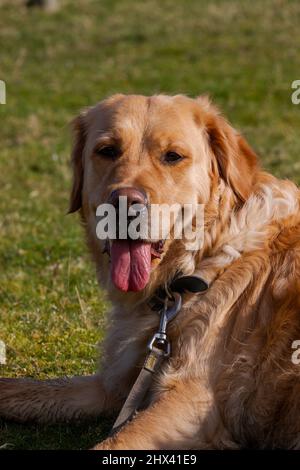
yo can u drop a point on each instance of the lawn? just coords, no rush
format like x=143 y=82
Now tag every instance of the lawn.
x=245 y=54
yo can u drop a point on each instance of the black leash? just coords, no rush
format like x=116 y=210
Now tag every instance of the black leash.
x=167 y=301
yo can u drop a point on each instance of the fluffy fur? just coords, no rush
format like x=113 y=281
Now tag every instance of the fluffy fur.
x=230 y=382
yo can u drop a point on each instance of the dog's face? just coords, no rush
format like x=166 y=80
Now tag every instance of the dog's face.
x=153 y=150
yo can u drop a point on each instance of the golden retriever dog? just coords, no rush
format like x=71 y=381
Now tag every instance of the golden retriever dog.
x=231 y=380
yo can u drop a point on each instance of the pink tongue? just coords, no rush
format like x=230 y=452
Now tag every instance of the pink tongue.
x=130 y=264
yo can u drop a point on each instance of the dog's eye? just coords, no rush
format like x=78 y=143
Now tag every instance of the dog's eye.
x=110 y=151
x=172 y=157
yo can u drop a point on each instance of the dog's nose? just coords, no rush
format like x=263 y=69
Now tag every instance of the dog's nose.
x=134 y=196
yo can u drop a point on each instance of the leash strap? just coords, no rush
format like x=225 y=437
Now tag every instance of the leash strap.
x=159 y=346
x=140 y=388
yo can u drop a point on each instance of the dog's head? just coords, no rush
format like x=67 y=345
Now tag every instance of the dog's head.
x=151 y=150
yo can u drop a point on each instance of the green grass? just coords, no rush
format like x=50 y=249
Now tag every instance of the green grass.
x=244 y=53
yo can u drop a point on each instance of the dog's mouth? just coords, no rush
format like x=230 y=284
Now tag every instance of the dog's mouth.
x=131 y=262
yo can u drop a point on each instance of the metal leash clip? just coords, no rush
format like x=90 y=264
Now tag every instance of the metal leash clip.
x=160 y=340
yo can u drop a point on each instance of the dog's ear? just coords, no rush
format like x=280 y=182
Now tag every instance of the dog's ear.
x=236 y=161
x=79 y=132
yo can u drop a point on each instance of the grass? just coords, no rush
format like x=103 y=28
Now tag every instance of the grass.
x=244 y=53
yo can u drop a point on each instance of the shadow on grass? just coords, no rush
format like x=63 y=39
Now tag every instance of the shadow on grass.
x=63 y=436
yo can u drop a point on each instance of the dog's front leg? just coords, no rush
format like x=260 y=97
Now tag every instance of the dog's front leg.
x=184 y=417
x=54 y=400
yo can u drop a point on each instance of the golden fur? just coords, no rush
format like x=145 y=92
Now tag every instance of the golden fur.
x=230 y=382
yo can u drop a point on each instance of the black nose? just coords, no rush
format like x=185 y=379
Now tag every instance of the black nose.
x=134 y=196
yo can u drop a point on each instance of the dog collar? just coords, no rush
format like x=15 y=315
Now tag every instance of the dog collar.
x=180 y=284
